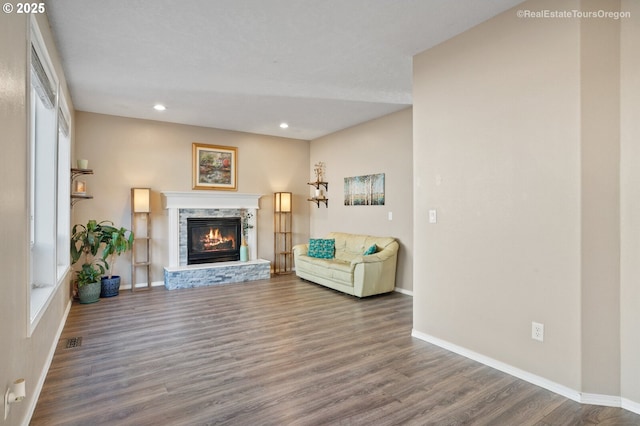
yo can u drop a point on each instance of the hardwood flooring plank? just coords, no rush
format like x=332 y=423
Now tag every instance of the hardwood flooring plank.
x=573 y=413
x=278 y=352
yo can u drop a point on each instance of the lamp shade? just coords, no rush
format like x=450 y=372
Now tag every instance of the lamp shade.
x=282 y=202
x=140 y=200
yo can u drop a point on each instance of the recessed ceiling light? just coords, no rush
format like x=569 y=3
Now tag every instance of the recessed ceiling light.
x=159 y=107
x=283 y=125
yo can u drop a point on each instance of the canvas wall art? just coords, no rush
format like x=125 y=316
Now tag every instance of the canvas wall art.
x=365 y=190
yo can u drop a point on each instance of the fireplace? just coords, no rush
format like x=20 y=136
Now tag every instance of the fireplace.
x=182 y=205
x=213 y=239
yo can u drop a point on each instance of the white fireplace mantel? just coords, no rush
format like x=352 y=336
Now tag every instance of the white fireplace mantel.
x=209 y=200
x=173 y=201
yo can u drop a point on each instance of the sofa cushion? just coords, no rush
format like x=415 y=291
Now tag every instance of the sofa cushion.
x=321 y=248
x=331 y=269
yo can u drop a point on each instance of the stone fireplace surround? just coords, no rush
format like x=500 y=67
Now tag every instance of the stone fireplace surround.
x=183 y=205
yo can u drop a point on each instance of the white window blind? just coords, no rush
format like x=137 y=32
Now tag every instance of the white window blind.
x=41 y=81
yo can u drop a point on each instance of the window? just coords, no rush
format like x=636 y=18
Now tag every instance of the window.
x=49 y=172
x=63 y=257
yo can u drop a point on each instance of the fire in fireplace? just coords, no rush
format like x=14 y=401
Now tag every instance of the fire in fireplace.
x=213 y=239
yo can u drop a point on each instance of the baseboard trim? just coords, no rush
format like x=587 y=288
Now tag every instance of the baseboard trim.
x=574 y=395
x=629 y=405
x=142 y=285
x=403 y=291
x=604 y=400
x=499 y=365
x=47 y=365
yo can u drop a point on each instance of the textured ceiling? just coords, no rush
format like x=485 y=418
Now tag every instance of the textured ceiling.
x=247 y=65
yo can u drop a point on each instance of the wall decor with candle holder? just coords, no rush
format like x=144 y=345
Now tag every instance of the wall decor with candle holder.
x=319 y=196
x=79 y=187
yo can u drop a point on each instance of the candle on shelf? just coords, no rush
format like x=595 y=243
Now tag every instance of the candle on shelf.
x=81 y=187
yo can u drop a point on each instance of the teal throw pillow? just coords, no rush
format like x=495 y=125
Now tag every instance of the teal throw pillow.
x=371 y=250
x=321 y=248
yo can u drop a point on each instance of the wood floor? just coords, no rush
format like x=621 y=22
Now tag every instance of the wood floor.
x=278 y=352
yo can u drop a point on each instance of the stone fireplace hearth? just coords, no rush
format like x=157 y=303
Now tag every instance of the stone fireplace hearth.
x=182 y=206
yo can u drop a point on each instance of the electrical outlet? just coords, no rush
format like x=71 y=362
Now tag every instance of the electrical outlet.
x=537 y=331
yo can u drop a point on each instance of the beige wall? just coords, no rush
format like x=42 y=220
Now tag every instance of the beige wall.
x=497 y=154
x=630 y=202
x=378 y=146
x=22 y=356
x=517 y=129
x=126 y=152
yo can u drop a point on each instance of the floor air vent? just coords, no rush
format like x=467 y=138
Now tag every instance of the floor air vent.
x=73 y=342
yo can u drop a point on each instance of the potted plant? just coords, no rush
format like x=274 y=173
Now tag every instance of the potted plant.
x=85 y=244
x=116 y=241
x=89 y=282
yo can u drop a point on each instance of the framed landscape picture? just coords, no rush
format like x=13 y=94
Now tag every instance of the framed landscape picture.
x=215 y=167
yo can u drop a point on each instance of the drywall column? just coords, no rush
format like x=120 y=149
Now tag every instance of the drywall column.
x=630 y=204
x=600 y=199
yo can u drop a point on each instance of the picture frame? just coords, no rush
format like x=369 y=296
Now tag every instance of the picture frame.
x=214 y=167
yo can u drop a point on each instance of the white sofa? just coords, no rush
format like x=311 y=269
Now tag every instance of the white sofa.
x=350 y=271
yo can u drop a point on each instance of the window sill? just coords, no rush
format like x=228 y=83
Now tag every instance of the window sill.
x=40 y=298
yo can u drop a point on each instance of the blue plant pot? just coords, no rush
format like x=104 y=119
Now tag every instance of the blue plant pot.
x=244 y=253
x=110 y=287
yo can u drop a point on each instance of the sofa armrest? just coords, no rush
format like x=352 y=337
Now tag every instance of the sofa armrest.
x=375 y=273
x=390 y=251
x=300 y=249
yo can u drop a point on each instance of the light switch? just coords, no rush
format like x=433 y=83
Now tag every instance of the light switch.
x=433 y=216
x=390 y=215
